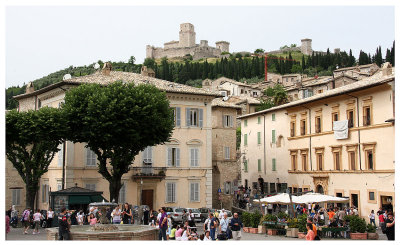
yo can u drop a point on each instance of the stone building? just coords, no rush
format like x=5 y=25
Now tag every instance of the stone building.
x=181 y=168
x=229 y=87
x=305 y=48
x=294 y=145
x=357 y=72
x=187 y=46
x=226 y=168
x=145 y=71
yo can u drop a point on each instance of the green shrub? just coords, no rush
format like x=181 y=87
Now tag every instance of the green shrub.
x=255 y=219
x=246 y=219
x=283 y=215
x=357 y=225
x=371 y=228
x=293 y=223
x=302 y=220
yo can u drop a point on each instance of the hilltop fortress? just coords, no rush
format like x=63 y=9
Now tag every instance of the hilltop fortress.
x=187 y=46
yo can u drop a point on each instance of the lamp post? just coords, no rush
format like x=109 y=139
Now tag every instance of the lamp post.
x=141 y=189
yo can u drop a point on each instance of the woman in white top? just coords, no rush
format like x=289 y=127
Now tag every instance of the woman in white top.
x=185 y=235
x=116 y=215
x=36 y=218
x=207 y=236
x=50 y=215
x=79 y=218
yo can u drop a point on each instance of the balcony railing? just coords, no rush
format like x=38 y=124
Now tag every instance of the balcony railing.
x=147 y=172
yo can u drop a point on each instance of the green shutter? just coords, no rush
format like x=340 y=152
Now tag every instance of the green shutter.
x=245 y=166
x=273 y=136
x=273 y=116
x=245 y=139
x=259 y=120
x=259 y=138
x=259 y=165
x=273 y=164
x=245 y=123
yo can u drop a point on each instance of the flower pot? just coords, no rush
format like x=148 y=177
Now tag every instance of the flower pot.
x=294 y=232
x=246 y=229
x=272 y=232
x=372 y=236
x=358 y=236
x=262 y=229
x=254 y=230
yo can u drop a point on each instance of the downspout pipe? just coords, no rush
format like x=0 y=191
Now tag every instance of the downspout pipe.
x=309 y=123
x=358 y=126
x=265 y=146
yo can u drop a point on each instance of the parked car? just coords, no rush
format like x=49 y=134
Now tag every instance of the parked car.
x=204 y=214
x=197 y=214
x=176 y=216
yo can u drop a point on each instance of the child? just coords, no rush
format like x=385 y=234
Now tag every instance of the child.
x=172 y=234
x=80 y=218
x=92 y=219
x=36 y=219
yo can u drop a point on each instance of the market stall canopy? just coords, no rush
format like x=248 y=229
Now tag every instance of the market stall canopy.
x=282 y=198
x=320 y=198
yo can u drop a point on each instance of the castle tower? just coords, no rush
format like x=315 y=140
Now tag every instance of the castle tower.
x=223 y=45
x=149 y=51
x=187 y=36
x=336 y=50
x=306 y=46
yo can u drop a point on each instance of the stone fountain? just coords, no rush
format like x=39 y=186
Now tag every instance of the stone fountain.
x=105 y=230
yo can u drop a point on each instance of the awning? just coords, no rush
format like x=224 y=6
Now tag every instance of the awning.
x=79 y=200
x=97 y=198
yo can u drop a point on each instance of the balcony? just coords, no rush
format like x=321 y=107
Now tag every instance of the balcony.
x=148 y=173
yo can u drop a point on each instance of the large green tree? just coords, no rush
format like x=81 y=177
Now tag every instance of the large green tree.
x=32 y=139
x=273 y=96
x=117 y=122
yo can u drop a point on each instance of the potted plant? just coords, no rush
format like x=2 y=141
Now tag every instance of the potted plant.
x=302 y=222
x=293 y=227
x=246 y=221
x=371 y=231
x=271 y=224
x=262 y=227
x=358 y=228
x=255 y=220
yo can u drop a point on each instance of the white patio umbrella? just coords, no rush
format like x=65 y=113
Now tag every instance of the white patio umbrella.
x=282 y=198
x=320 y=198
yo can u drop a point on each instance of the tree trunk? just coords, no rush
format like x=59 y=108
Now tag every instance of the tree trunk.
x=30 y=196
x=115 y=186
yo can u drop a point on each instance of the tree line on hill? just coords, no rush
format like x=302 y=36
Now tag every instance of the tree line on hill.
x=235 y=67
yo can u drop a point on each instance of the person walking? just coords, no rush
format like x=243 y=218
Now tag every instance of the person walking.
x=163 y=224
x=63 y=225
x=310 y=233
x=235 y=226
x=223 y=225
x=50 y=215
x=36 y=219
x=190 y=219
x=371 y=217
x=152 y=217
x=184 y=216
x=127 y=217
x=389 y=222
x=26 y=218
x=117 y=215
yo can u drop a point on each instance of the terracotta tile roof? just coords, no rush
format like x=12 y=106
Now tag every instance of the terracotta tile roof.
x=355 y=67
x=371 y=81
x=220 y=103
x=232 y=81
x=243 y=99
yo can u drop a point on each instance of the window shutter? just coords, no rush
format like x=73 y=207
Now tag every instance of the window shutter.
x=201 y=118
x=150 y=154
x=173 y=192
x=169 y=156
x=191 y=192
x=259 y=138
x=231 y=121
x=223 y=121
x=273 y=136
x=245 y=139
x=188 y=117
x=169 y=192
x=197 y=157
x=178 y=116
x=196 y=194
x=259 y=165
x=273 y=164
x=178 y=160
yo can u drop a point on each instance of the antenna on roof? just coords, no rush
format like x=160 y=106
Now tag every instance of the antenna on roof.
x=66 y=77
x=96 y=66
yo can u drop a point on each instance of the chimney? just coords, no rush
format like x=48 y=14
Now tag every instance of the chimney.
x=386 y=69
x=106 y=69
x=29 y=88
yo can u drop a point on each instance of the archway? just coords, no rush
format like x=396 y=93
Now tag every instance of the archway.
x=320 y=189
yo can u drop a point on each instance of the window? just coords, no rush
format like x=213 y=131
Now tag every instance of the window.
x=90 y=157
x=245 y=139
x=228 y=121
x=352 y=156
x=371 y=195
x=367 y=116
x=370 y=160
x=194 y=117
x=259 y=138
x=227 y=187
x=335 y=117
x=227 y=152
x=350 y=118
x=259 y=165
x=194 y=157
x=320 y=91
x=319 y=162
x=171 y=192
x=369 y=149
x=273 y=164
x=292 y=128
x=273 y=116
x=195 y=192
x=293 y=159
x=60 y=155
x=148 y=155
x=273 y=136
x=304 y=160
x=177 y=116
x=122 y=196
x=45 y=192
x=90 y=186
x=272 y=187
x=303 y=127
x=336 y=160
x=318 y=124
x=223 y=93
x=245 y=165
x=258 y=120
x=255 y=94
x=59 y=185
x=173 y=157
x=16 y=196
x=245 y=122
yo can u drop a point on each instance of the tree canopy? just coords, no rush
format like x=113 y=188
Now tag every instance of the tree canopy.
x=117 y=122
x=273 y=96
x=32 y=139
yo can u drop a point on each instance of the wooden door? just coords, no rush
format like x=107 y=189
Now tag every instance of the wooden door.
x=147 y=198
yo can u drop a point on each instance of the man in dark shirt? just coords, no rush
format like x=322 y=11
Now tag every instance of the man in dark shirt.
x=163 y=225
x=389 y=222
x=236 y=225
x=63 y=225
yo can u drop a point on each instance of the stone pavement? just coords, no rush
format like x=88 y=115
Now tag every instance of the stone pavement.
x=16 y=234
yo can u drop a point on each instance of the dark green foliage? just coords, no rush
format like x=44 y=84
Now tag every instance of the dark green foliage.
x=32 y=139
x=302 y=219
x=259 y=51
x=255 y=219
x=357 y=225
x=117 y=122
x=238 y=137
x=275 y=96
x=246 y=219
x=371 y=228
x=282 y=215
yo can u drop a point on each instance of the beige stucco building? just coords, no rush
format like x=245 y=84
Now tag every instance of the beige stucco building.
x=178 y=173
x=294 y=145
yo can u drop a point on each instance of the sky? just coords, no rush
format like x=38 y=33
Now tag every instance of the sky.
x=44 y=39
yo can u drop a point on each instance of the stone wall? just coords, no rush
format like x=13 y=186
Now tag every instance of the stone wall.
x=14 y=181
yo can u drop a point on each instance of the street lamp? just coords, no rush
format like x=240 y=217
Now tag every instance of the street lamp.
x=141 y=190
